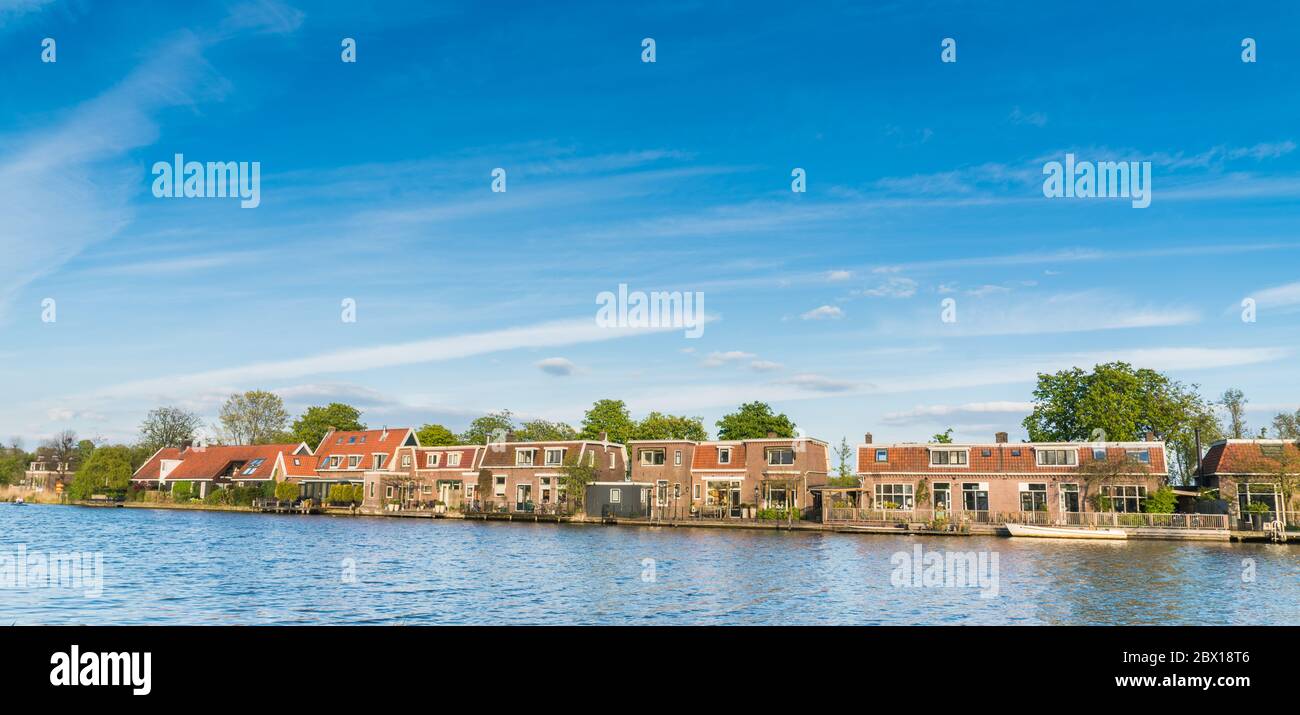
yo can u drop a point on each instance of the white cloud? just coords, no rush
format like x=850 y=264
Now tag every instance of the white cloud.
x=1277 y=296
x=837 y=276
x=825 y=312
x=558 y=366
x=718 y=359
x=895 y=287
x=819 y=383
x=957 y=413
x=765 y=366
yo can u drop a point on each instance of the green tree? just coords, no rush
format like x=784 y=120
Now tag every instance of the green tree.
x=13 y=465
x=575 y=476
x=106 y=471
x=254 y=417
x=610 y=417
x=1287 y=426
x=658 y=425
x=1115 y=402
x=944 y=437
x=286 y=491
x=168 y=427
x=489 y=426
x=1234 y=402
x=544 y=431
x=753 y=420
x=1161 y=501
x=312 y=425
x=844 y=476
x=432 y=435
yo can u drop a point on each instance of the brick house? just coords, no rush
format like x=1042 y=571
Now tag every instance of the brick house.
x=525 y=475
x=1251 y=470
x=217 y=466
x=352 y=457
x=718 y=478
x=991 y=480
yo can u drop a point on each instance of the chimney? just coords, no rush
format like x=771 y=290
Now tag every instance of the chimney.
x=771 y=434
x=604 y=436
x=1151 y=436
x=867 y=438
x=1000 y=437
x=384 y=435
x=510 y=435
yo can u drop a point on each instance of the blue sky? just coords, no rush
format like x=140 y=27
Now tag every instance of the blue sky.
x=924 y=183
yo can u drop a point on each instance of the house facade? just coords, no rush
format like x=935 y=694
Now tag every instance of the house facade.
x=1254 y=476
x=723 y=478
x=991 y=481
x=352 y=457
x=524 y=476
x=217 y=466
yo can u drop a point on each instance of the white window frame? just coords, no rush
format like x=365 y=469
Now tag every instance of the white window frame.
x=616 y=496
x=648 y=454
x=532 y=458
x=432 y=459
x=882 y=454
x=677 y=458
x=780 y=450
x=546 y=456
x=498 y=485
x=695 y=492
x=963 y=464
x=453 y=459
x=722 y=451
x=1072 y=456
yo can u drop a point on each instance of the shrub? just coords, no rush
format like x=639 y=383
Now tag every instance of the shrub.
x=182 y=491
x=1161 y=501
x=286 y=491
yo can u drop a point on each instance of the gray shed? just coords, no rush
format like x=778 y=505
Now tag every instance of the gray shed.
x=618 y=499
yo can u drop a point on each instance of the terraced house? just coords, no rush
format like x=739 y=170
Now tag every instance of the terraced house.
x=725 y=478
x=995 y=481
x=352 y=457
x=524 y=476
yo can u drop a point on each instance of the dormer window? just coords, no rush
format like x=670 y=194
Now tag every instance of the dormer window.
x=524 y=458
x=453 y=459
x=724 y=455
x=354 y=461
x=334 y=462
x=882 y=455
x=432 y=459
x=554 y=457
x=379 y=460
x=1139 y=455
x=1098 y=454
x=1057 y=457
x=947 y=457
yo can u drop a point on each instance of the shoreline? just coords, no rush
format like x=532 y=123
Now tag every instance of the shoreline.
x=1235 y=537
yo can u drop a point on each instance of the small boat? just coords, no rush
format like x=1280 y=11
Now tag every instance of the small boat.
x=18 y=501
x=1065 y=532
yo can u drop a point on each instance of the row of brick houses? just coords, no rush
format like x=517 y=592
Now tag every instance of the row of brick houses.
x=728 y=478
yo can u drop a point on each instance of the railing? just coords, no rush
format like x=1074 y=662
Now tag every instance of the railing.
x=1264 y=520
x=1114 y=519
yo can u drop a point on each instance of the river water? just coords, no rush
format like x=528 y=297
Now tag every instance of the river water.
x=193 y=567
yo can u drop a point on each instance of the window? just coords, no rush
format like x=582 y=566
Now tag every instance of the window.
x=677 y=490
x=351 y=440
x=469 y=491
x=1125 y=498
x=1033 y=497
x=406 y=460
x=780 y=457
x=340 y=441
x=334 y=462
x=524 y=458
x=948 y=457
x=253 y=465
x=894 y=496
x=1015 y=452
x=695 y=492
x=612 y=460
x=882 y=455
x=724 y=455
x=1139 y=455
x=432 y=459
x=1266 y=494
x=591 y=459
x=677 y=458
x=453 y=459
x=942 y=496
x=297 y=462
x=379 y=460
x=1070 y=498
x=975 y=496
x=372 y=490
x=388 y=492
x=428 y=489
x=354 y=462
x=1098 y=454
x=499 y=486
x=986 y=453
x=652 y=456
x=1057 y=457
x=554 y=457
x=363 y=439
x=615 y=495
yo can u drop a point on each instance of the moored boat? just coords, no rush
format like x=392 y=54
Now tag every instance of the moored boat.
x=1065 y=532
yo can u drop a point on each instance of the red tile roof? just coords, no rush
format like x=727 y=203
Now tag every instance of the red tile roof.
x=363 y=442
x=199 y=463
x=1244 y=456
x=706 y=457
x=150 y=470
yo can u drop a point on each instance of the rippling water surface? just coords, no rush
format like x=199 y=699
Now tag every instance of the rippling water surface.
x=181 y=567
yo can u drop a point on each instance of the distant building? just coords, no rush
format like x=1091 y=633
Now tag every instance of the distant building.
x=1251 y=470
